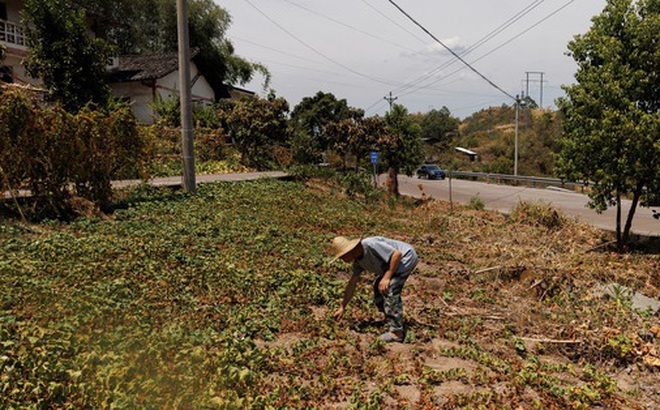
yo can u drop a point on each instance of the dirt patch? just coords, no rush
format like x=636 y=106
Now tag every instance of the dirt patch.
x=320 y=312
x=425 y=269
x=632 y=381
x=441 y=344
x=443 y=364
x=452 y=387
x=283 y=340
x=409 y=394
x=430 y=284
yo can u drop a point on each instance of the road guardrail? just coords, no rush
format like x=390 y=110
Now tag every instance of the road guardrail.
x=504 y=177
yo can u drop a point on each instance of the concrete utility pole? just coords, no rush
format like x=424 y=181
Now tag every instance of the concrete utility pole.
x=515 y=155
x=187 y=144
x=390 y=100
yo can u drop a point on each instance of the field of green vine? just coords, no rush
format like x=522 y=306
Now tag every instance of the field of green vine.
x=224 y=300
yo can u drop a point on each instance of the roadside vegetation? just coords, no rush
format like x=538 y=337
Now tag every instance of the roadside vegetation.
x=223 y=300
x=491 y=133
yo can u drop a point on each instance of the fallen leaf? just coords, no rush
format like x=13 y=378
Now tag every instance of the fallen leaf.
x=652 y=361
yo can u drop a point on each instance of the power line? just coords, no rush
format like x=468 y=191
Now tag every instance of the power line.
x=379 y=101
x=275 y=50
x=318 y=52
x=498 y=47
x=451 y=51
x=504 y=25
x=347 y=25
x=492 y=34
x=527 y=30
x=393 y=21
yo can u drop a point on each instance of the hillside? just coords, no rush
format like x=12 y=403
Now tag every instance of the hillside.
x=491 y=133
x=223 y=300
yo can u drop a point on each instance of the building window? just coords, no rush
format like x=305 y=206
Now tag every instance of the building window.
x=3 y=11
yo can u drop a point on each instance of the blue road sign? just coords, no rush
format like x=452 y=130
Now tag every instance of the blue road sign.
x=374 y=157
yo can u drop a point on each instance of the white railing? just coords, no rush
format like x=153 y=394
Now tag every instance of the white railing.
x=12 y=33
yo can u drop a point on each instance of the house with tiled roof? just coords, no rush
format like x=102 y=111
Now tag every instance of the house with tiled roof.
x=145 y=79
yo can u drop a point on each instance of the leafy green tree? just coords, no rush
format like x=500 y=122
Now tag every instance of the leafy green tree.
x=438 y=126
x=70 y=61
x=528 y=102
x=401 y=147
x=150 y=26
x=313 y=114
x=255 y=125
x=612 y=123
x=5 y=71
x=356 y=137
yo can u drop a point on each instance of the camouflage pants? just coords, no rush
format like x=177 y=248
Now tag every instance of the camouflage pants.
x=390 y=303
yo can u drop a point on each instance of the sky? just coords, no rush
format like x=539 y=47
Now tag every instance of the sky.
x=361 y=50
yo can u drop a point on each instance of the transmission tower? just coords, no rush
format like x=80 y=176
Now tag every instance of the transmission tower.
x=527 y=81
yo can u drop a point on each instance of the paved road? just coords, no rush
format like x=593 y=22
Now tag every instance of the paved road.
x=503 y=198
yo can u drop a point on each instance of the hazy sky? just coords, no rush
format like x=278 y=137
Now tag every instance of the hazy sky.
x=361 y=50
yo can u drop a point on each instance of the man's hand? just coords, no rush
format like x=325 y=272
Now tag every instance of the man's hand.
x=339 y=313
x=384 y=285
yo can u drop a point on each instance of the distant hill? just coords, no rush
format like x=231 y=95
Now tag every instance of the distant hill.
x=491 y=133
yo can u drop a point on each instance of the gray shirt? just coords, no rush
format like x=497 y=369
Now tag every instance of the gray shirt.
x=378 y=252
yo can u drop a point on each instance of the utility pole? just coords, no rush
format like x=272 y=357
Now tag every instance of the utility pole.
x=527 y=84
x=390 y=100
x=515 y=155
x=187 y=145
x=541 y=99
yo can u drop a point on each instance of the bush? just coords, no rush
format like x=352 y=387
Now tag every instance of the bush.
x=359 y=183
x=213 y=152
x=476 y=204
x=306 y=172
x=58 y=155
x=538 y=214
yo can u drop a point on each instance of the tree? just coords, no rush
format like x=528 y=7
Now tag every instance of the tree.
x=528 y=102
x=255 y=125
x=611 y=118
x=313 y=114
x=438 y=126
x=356 y=136
x=5 y=71
x=71 y=63
x=150 y=26
x=401 y=147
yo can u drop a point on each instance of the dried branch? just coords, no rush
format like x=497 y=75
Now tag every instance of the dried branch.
x=555 y=341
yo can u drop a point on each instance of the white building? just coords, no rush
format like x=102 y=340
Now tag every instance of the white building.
x=144 y=79
x=12 y=37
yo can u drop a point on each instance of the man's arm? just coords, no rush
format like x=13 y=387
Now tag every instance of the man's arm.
x=348 y=295
x=395 y=260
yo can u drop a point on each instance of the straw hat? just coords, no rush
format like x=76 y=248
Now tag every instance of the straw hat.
x=341 y=246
